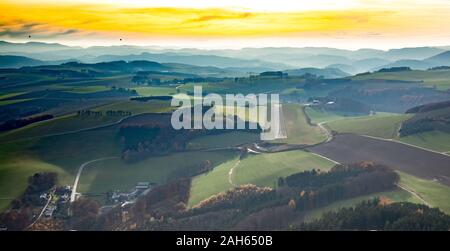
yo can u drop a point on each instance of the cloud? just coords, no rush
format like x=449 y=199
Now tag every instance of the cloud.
x=204 y=18
x=18 y=29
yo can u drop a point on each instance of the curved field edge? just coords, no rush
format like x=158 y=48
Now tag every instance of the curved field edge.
x=72 y=123
x=258 y=169
x=113 y=174
x=397 y=195
x=382 y=125
x=434 y=140
x=418 y=191
x=434 y=193
x=15 y=168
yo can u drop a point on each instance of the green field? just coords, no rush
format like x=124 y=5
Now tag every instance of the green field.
x=87 y=89
x=434 y=140
x=383 y=125
x=123 y=81
x=227 y=139
x=16 y=165
x=434 y=193
x=61 y=154
x=13 y=101
x=259 y=169
x=214 y=182
x=298 y=129
x=113 y=174
x=10 y=95
x=440 y=79
x=320 y=116
x=135 y=107
x=154 y=91
x=265 y=169
x=71 y=122
x=247 y=86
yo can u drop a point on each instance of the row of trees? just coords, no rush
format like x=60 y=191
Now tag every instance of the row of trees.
x=90 y=113
x=317 y=189
x=413 y=126
x=150 y=78
x=157 y=137
x=141 y=141
x=17 y=123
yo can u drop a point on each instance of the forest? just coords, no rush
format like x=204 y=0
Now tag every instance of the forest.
x=373 y=215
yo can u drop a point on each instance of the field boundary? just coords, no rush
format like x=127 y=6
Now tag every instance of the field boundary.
x=404 y=143
x=80 y=170
x=414 y=194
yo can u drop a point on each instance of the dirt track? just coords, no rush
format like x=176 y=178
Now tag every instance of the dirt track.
x=348 y=148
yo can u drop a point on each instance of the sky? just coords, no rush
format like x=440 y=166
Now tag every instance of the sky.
x=349 y=24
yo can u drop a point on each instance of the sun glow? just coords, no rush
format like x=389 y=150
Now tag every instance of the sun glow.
x=283 y=20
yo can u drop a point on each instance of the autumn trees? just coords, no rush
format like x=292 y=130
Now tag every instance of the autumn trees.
x=22 y=209
x=84 y=214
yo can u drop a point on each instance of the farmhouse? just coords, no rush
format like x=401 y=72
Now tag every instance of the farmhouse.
x=142 y=185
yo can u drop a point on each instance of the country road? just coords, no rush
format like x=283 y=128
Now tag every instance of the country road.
x=43 y=209
x=352 y=148
x=80 y=170
x=325 y=131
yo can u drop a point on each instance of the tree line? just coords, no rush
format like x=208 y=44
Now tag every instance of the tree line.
x=90 y=113
x=373 y=215
x=17 y=123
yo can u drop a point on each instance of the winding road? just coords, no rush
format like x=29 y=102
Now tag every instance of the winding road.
x=325 y=130
x=44 y=208
x=80 y=170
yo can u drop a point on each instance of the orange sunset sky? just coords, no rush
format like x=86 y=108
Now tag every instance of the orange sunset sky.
x=229 y=23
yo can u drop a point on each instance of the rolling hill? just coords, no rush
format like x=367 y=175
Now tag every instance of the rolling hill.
x=325 y=72
x=442 y=59
x=199 y=60
x=7 y=61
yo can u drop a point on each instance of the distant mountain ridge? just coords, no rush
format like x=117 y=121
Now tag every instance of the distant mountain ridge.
x=243 y=60
x=114 y=67
x=441 y=59
x=11 y=61
x=326 y=72
x=199 y=60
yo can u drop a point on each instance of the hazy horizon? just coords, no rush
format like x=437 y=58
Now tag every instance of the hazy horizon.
x=181 y=47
